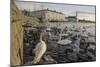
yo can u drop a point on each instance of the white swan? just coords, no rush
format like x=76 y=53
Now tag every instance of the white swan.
x=39 y=50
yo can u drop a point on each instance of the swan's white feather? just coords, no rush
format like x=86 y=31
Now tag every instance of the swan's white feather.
x=39 y=51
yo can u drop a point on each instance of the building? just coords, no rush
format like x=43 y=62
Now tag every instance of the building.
x=49 y=15
x=72 y=18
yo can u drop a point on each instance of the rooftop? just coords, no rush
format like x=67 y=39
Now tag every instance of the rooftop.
x=48 y=10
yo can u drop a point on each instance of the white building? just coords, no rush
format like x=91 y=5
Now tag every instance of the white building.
x=49 y=15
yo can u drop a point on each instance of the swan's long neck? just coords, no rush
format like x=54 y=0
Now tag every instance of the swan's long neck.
x=40 y=37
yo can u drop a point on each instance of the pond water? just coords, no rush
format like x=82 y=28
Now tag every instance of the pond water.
x=90 y=27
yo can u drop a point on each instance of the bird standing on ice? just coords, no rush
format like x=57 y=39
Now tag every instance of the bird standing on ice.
x=39 y=50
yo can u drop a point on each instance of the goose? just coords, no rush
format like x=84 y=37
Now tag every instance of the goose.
x=39 y=50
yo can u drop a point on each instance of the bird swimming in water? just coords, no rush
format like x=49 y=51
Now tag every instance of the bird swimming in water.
x=39 y=50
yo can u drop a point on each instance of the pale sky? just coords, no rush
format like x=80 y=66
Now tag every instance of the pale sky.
x=67 y=9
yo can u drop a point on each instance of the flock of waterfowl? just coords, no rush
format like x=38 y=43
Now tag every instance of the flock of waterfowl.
x=73 y=42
